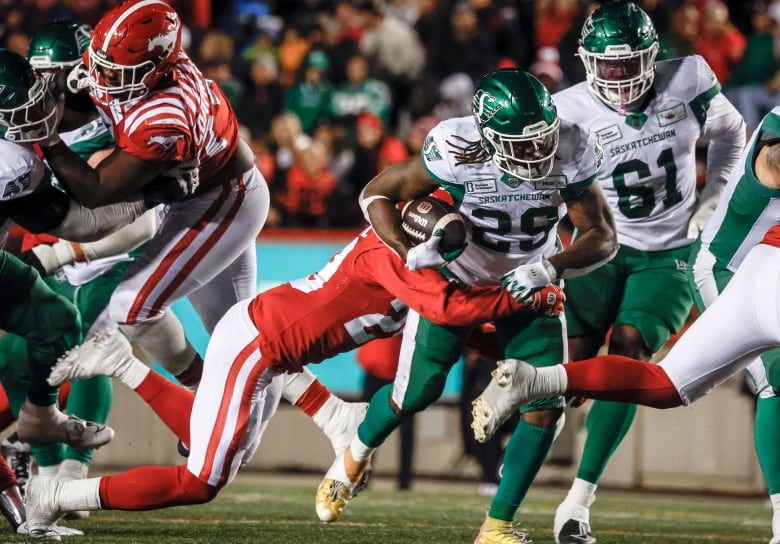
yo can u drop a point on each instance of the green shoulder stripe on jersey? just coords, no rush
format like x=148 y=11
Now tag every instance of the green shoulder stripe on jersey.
x=86 y=148
x=771 y=124
x=575 y=190
x=749 y=200
x=457 y=191
x=751 y=180
x=701 y=103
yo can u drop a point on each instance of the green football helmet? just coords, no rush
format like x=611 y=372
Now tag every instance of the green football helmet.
x=59 y=45
x=618 y=46
x=28 y=111
x=518 y=123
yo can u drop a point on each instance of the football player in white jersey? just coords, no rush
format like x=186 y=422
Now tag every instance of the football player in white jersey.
x=501 y=167
x=750 y=205
x=648 y=117
x=736 y=273
x=49 y=324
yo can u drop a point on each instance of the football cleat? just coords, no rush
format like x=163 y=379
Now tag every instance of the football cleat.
x=42 y=508
x=572 y=523
x=574 y=532
x=107 y=353
x=511 y=387
x=498 y=531
x=332 y=498
x=55 y=529
x=343 y=481
x=342 y=426
x=19 y=458
x=775 y=540
x=45 y=424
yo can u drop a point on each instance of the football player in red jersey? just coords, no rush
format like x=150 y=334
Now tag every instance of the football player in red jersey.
x=170 y=121
x=363 y=292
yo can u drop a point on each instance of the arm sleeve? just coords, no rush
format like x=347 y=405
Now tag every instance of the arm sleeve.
x=725 y=130
x=124 y=240
x=437 y=299
x=82 y=224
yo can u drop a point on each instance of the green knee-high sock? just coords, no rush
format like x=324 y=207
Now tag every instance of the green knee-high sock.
x=767 y=429
x=523 y=458
x=48 y=455
x=607 y=424
x=89 y=399
x=380 y=419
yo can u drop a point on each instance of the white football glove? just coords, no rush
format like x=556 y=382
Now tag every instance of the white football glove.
x=701 y=216
x=426 y=255
x=527 y=279
x=78 y=78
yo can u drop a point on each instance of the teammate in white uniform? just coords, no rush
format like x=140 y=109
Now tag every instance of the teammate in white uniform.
x=740 y=258
x=648 y=117
x=501 y=167
x=750 y=205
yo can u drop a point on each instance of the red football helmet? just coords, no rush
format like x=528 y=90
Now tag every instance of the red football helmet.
x=132 y=48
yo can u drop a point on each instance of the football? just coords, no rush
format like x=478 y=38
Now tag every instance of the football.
x=421 y=217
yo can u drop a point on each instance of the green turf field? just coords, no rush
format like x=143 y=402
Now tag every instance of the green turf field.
x=273 y=509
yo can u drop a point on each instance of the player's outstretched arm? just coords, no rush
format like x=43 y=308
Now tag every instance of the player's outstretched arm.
x=117 y=177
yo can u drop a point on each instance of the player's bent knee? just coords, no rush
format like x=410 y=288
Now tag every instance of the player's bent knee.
x=197 y=491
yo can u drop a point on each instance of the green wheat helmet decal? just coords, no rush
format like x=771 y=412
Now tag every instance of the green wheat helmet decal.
x=83 y=35
x=485 y=105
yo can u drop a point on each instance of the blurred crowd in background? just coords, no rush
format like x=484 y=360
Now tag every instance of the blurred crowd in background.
x=329 y=92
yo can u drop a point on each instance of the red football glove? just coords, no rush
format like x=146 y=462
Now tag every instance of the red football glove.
x=547 y=301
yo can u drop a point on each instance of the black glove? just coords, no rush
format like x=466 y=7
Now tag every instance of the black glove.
x=173 y=185
x=31 y=259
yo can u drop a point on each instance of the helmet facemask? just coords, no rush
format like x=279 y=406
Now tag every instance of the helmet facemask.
x=34 y=120
x=620 y=76
x=110 y=82
x=528 y=156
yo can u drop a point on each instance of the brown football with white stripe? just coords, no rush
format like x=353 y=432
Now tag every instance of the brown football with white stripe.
x=421 y=217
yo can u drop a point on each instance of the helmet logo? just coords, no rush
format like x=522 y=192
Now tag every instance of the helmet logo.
x=83 y=34
x=166 y=41
x=588 y=27
x=485 y=106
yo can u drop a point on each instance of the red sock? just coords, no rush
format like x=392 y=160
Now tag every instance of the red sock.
x=621 y=379
x=151 y=487
x=313 y=398
x=171 y=403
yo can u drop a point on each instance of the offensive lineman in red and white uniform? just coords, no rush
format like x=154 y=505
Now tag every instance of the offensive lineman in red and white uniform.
x=167 y=119
x=363 y=292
